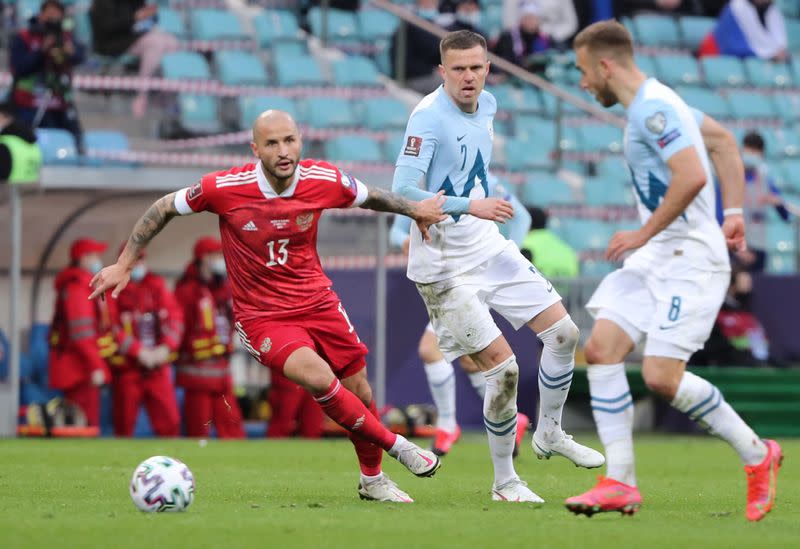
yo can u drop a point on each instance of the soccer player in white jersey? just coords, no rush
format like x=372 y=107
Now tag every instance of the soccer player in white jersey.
x=670 y=288
x=438 y=371
x=468 y=267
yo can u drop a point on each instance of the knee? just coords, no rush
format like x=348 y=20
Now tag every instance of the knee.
x=429 y=348
x=596 y=353
x=364 y=392
x=661 y=382
x=563 y=338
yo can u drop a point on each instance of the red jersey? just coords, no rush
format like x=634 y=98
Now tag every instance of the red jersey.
x=270 y=241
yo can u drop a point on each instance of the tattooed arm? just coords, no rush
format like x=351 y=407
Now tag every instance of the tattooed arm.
x=425 y=213
x=149 y=225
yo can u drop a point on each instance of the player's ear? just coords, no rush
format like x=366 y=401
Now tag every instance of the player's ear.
x=254 y=148
x=441 y=71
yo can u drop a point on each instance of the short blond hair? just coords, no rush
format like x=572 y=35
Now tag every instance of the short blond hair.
x=607 y=37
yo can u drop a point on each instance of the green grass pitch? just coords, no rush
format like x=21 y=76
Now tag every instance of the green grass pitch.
x=74 y=493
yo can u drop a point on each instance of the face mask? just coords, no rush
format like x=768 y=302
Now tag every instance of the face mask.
x=95 y=266
x=138 y=272
x=751 y=160
x=473 y=18
x=218 y=267
x=428 y=14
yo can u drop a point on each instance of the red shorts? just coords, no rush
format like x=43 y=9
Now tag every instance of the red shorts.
x=327 y=331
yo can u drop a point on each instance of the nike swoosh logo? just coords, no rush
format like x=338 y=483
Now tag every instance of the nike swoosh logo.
x=460 y=138
x=668 y=327
x=428 y=460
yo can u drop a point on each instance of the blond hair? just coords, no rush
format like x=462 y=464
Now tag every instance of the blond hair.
x=606 y=38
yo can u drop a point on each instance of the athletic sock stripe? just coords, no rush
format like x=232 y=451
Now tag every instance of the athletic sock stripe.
x=613 y=410
x=714 y=406
x=553 y=386
x=708 y=399
x=445 y=380
x=554 y=379
x=620 y=398
x=502 y=424
x=502 y=433
x=330 y=394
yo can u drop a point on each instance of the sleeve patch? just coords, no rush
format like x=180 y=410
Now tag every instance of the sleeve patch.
x=194 y=191
x=413 y=146
x=656 y=123
x=348 y=181
x=669 y=138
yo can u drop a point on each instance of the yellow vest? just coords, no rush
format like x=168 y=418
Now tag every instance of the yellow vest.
x=26 y=159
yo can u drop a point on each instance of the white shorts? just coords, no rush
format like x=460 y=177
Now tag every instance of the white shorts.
x=675 y=315
x=459 y=307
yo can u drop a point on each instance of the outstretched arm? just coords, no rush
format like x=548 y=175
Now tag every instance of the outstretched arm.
x=149 y=225
x=425 y=213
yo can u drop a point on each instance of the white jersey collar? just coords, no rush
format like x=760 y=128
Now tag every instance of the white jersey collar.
x=267 y=190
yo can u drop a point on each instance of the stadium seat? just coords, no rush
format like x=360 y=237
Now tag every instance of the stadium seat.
x=302 y=70
x=788 y=105
x=353 y=148
x=789 y=8
x=674 y=70
x=171 y=21
x=606 y=191
x=355 y=71
x=596 y=269
x=779 y=263
x=273 y=26
x=600 y=138
x=385 y=113
x=747 y=104
x=516 y=100
x=216 y=24
x=329 y=112
x=544 y=190
x=105 y=140
x=793 y=34
x=705 y=100
x=342 y=25
x=537 y=130
x=288 y=49
x=198 y=113
x=250 y=106
x=791 y=171
x=781 y=237
x=656 y=30
x=781 y=141
x=374 y=25
x=571 y=139
x=185 y=65
x=521 y=155
x=587 y=234
x=392 y=146
x=766 y=74
x=240 y=68
x=58 y=146
x=613 y=167
x=723 y=71
x=549 y=101
x=694 y=30
x=646 y=64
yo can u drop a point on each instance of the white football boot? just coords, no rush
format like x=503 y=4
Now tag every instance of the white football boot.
x=581 y=456
x=382 y=489
x=515 y=490
x=422 y=463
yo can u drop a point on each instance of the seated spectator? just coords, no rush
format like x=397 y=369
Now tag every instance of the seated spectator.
x=748 y=28
x=461 y=15
x=42 y=58
x=524 y=44
x=553 y=257
x=761 y=193
x=20 y=156
x=130 y=27
x=421 y=51
x=558 y=18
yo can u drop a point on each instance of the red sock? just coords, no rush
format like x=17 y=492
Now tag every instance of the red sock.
x=369 y=455
x=347 y=410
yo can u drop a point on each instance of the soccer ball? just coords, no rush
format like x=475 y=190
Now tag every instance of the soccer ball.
x=162 y=483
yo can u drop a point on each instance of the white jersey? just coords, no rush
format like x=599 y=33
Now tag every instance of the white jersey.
x=659 y=125
x=454 y=149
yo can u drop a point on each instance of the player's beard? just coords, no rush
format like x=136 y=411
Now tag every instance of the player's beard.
x=281 y=176
x=606 y=97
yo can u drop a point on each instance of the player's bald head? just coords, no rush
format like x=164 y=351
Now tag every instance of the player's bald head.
x=276 y=121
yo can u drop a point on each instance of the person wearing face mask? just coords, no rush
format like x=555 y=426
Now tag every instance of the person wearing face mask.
x=82 y=333
x=151 y=323
x=202 y=369
x=421 y=50
x=466 y=15
x=526 y=44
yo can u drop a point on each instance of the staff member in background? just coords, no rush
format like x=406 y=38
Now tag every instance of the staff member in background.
x=20 y=156
x=294 y=410
x=204 y=294
x=151 y=322
x=82 y=334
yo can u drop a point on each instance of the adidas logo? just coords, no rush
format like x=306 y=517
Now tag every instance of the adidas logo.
x=250 y=226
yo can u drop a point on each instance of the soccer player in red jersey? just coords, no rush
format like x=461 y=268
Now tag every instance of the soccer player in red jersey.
x=287 y=315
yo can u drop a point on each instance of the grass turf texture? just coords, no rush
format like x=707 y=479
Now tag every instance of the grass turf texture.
x=74 y=493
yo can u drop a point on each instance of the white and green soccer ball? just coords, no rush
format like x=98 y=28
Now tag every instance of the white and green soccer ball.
x=162 y=484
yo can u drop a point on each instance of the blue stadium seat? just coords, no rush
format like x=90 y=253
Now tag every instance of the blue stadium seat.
x=789 y=8
x=392 y=146
x=214 y=24
x=780 y=263
x=793 y=34
x=788 y=105
x=597 y=269
x=58 y=146
x=273 y=26
x=185 y=65
x=171 y=21
x=747 y=104
x=342 y=25
x=240 y=68
x=329 y=112
x=536 y=130
x=781 y=141
x=385 y=113
x=706 y=100
x=694 y=30
x=607 y=191
x=376 y=25
x=781 y=237
x=353 y=148
x=26 y=9
x=587 y=234
x=302 y=70
x=549 y=101
x=571 y=139
x=250 y=106
x=522 y=155
x=599 y=138
x=646 y=64
x=105 y=140
x=674 y=70
x=791 y=172
x=355 y=71
x=545 y=190
x=613 y=167
x=198 y=113
x=723 y=71
x=288 y=49
x=766 y=74
x=656 y=30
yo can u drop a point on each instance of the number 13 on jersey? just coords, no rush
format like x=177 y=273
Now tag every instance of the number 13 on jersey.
x=279 y=256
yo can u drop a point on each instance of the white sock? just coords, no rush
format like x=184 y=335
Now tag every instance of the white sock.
x=500 y=417
x=478 y=383
x=612 y=408
x=442 y=383
x=703 y=403
x=366 y=479
x=555 y=376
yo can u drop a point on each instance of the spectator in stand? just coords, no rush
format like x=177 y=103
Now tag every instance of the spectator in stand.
x=294 y=410
x=553 y=257
x=461 y=15
x=525 y=44
x=421 y=51
x=557 y=18
x=42 y=58
x=748 y=28
x=130 y=27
